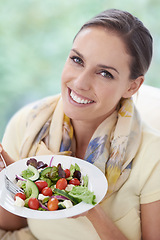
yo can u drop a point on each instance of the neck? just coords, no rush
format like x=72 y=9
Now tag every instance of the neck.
x=83 y=132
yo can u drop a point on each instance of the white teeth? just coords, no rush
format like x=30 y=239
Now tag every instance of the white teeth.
x=78 y=99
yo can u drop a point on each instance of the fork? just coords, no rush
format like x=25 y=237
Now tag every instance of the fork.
x=10 y=186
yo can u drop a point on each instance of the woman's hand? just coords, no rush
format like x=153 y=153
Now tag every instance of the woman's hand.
x=6 y=157
x=9 y=221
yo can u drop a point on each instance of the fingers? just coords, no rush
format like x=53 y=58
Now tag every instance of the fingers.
x=1 y=148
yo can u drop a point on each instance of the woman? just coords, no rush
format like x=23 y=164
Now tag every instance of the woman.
x=106 y=65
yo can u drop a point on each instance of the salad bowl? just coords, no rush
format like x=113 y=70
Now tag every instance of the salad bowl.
x=97 y=183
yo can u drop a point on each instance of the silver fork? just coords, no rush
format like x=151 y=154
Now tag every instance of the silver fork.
x=10 y=186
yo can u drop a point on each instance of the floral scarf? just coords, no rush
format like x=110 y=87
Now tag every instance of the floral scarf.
x=112 y=147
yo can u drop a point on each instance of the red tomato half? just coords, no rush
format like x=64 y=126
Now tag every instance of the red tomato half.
x=21 y=195
x=67 y=171
x=33 y=203
x=61 y=183
x=74 y=181
x=41 y=184
x=52 y=204
x=47 y=191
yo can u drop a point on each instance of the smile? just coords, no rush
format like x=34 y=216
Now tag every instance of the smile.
x=79 y=99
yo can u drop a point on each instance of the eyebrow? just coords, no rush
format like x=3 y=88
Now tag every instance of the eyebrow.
x=79 y=54
x=108 y=67
x=99 y=65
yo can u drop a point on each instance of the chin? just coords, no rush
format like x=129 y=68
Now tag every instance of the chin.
x=72 y=115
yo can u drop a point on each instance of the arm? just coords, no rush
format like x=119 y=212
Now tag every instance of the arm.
x=150 y=215
x=9 y=221
x=106 y=229
x=150 y=222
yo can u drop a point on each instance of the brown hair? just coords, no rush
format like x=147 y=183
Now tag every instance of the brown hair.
x=135 y=35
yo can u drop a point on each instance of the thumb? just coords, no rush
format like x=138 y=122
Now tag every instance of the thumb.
x=5 y=155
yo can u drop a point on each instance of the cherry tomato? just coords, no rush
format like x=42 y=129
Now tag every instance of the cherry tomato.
x=21 y=195
x=46 y=191
x=41 y=184
x=67 y=171
x=52 y=204
x=33 y=203
x=74 y=181
x=61 y=183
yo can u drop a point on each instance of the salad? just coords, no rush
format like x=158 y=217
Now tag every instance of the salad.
x=50 y=188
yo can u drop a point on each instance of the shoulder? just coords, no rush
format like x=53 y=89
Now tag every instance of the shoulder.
x=150 y=136
x=149 y=149
x=39 y=104
x=146 y=165
x=147 y=158
x=32 y=108
x=16 y=127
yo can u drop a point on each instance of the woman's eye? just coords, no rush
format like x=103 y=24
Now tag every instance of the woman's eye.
x=77 y=60
x=106 y=74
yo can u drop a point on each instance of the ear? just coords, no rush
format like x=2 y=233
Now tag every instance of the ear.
x=134 y=85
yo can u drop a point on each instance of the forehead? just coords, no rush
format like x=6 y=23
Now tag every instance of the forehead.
x=102 y=43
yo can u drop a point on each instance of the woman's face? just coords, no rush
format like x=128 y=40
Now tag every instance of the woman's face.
x=95 y=75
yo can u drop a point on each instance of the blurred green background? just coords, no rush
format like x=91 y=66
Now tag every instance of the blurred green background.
x=36 y=36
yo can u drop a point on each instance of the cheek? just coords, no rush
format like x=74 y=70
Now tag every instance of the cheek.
x=63 y=76
x=110 y=94
x=105 y=89
x=66 y=75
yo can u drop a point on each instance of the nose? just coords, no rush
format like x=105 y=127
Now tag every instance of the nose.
x=83 y=80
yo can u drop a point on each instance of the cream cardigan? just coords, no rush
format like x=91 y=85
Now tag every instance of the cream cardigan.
x=123 y=207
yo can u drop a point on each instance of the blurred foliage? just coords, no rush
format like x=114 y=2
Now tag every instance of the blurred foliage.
x=36 y=36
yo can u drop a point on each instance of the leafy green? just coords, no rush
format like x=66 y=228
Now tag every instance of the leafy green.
x=74 y=168
x=28 y=193
x=61 y=172
x=53 y=174
x=23 y=186
x=45 y=199
x=27 y=174
x=85 y=181
x=82 y=193
x=41 y=209
x=46 y=180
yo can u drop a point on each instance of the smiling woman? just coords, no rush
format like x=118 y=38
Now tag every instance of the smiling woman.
x=91 y=78
x=94 y=118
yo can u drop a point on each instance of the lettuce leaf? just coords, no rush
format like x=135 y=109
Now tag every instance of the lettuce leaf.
x=27 y=174
x=85 y=181
x=82 y=193
x=74 y=168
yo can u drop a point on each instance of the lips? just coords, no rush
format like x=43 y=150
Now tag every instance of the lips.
x=79 y=99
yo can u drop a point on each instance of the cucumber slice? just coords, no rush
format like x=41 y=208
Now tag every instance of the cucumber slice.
x=35 y=171
x=61 y=206
x=44 y=175
x=31 y=190
x=63 y=193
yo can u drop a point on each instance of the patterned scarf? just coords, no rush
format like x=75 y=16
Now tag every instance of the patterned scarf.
x=112 y=147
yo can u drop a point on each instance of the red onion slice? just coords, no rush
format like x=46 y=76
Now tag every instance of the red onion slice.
x=43 y=206
x=20 y=178
x=50 y=164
